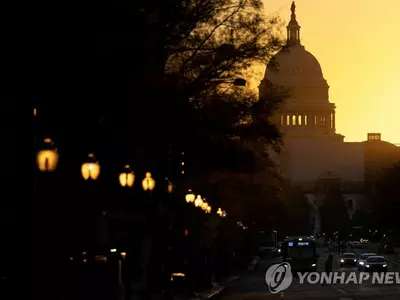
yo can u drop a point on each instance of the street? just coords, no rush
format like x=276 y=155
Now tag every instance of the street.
x=253 y=287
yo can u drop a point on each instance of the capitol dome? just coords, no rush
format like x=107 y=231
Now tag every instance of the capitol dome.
x=306 y=111
x=293 y=65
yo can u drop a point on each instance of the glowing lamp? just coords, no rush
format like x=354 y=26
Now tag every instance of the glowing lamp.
x=198 y=202
x=170 y=187
x=190 y=197
x=47 y=158
x=208 y=209
x=127 y=177
x=91 y=168
x=224 y=214
x=204 y=205
x=219 y=211
x=148 y=182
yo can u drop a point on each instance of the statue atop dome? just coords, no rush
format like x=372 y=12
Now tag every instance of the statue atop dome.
x=293 y=28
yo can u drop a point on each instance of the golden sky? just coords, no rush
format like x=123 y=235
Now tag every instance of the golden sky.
x=358 y=46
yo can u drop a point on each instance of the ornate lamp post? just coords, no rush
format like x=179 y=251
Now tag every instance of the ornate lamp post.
x=47 y=158
x=204 y=205
x=148 y=182
x=91 y=168
x=190 y=197
x=198 y=202
x=127 y=177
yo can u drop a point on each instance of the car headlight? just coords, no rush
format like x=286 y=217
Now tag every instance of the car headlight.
x=360 y=262
x=367 y=266
x=355 y=260
x=342 y=260
x=313 y=265
x=385 y=265
x=279 y=250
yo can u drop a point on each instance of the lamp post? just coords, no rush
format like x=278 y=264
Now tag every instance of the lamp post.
x=47 y=157
x=148 y=183
x=91 y=168
x=275 y=237
x=204 y=205
x=44 y=223
x=127 y=177
x=234 y=81
x=198 y=202
x=170 y=187
x=190 y=197
x=90 y=171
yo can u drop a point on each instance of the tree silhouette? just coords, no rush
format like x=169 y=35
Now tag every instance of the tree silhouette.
x=162 y=83
x=184 y=51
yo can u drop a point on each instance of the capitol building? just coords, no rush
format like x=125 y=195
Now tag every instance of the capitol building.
x=313 y=151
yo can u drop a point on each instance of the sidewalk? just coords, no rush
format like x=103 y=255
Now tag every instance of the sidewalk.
x=253 y=264
x=218 y=288
x=213 y=292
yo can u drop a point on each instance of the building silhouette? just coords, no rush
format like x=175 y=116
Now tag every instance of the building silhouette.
x=315 y=156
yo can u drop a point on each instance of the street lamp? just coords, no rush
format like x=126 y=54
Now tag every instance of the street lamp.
x=219 y=212
x=190 y=197
x=236 y=81
x=148 y=182
x=198 y=202
x=204 y=205
x=170 y=187
x=224 y=214
x=91 y=168
x=127 y=177
x=208 y=209
x=275 y=237
x=47 y=158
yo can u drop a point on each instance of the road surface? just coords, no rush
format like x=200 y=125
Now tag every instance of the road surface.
x=253 y=287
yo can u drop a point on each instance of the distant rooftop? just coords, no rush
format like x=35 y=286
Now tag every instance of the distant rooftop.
x=378 y=137
x=374 y=137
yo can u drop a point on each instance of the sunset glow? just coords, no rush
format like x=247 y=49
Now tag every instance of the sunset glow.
x=356 y=45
